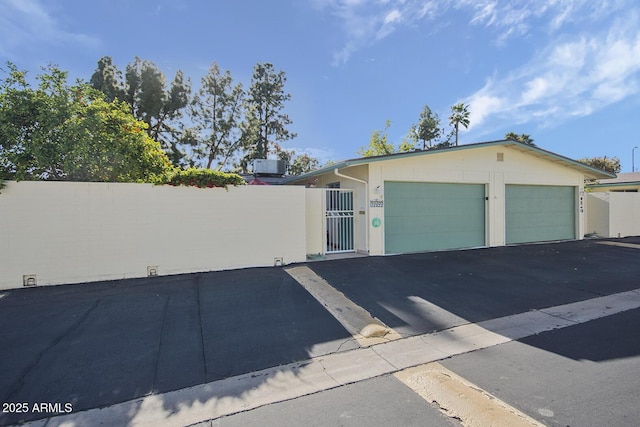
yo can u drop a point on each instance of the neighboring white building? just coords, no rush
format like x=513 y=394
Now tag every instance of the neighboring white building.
x=613 y=206
x=623 y=183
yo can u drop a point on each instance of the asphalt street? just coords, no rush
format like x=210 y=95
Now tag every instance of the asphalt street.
x=378 y=402
x=584 y=375
x=98 y=344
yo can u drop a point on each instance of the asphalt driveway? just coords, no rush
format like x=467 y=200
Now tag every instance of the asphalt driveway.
x=97 y=344
x=420 y=293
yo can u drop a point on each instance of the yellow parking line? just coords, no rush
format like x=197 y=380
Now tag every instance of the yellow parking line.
x=458 y=398
x=366 y=329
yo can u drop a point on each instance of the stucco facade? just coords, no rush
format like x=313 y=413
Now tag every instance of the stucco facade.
x=495 y=165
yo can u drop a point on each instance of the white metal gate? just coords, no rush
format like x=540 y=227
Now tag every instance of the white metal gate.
x=338 y=212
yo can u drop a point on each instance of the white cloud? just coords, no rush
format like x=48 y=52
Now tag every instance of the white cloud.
x=393 y=16
x=483 y=104
x=365 y=22
x=588 y=57
x=487 y=13
x=572 y=78
x=25 y=23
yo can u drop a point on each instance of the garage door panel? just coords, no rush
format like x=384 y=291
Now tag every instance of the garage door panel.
x=409 y=243
x=429 y=216
x=538 y=213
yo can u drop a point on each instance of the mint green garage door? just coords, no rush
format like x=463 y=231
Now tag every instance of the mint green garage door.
x=538 y=213
x=422 y=216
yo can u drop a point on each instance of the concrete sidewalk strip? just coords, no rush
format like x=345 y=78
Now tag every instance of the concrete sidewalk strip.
x=438 y=345
x=621 y=244
x=233 y=395
x=409 y=352
x=356 y=365
x=525 y=324
x=249 y=391
x=597 y=307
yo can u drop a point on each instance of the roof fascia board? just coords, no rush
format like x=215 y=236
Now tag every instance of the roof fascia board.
x=586 y=169
x=614 y=184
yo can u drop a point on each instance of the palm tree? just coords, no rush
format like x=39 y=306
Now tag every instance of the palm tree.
x=523 y=137
x=459 y=116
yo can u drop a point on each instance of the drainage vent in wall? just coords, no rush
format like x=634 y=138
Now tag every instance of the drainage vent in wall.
x=152 y=270
x=29 y=280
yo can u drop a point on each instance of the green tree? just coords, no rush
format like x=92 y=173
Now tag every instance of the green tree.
x=106 y=143
x=427 y=129
x=32 y=124
x=167 y=128
x=62 y=132
x=282 y=154
x=459 y=116
x=216 y=113
x=608 y=164
x=303 y=164
x=265 y=123
x=145 y=90
x=108 y=79
x=523 y=138
x=406 y=146
x=132 y=84
x=296 y=165
x=379 y=144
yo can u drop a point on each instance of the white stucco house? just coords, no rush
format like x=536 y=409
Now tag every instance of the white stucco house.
x=623 y=183
x=484 y=194
x=477 y=195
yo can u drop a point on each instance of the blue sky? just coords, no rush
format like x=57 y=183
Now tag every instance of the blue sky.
x=567 y=72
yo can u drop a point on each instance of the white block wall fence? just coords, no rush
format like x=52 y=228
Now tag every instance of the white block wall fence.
x=72 y=232
x=613 y=214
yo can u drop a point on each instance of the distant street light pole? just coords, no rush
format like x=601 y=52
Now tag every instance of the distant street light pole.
x=633 y=159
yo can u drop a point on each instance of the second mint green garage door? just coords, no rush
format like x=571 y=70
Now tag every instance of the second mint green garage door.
x=422 y=216
x=538 y=213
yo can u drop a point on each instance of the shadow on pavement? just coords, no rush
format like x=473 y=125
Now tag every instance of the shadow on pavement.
x=104 y=343
x=421 y=293
x=99 y=344
x=616 y=339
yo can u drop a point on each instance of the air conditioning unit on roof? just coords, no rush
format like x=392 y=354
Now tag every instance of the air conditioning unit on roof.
x=269 y=167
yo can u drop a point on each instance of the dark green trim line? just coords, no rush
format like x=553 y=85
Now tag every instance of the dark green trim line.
x=616 y=184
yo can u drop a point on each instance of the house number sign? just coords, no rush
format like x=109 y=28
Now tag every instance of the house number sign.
x=376 y=203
